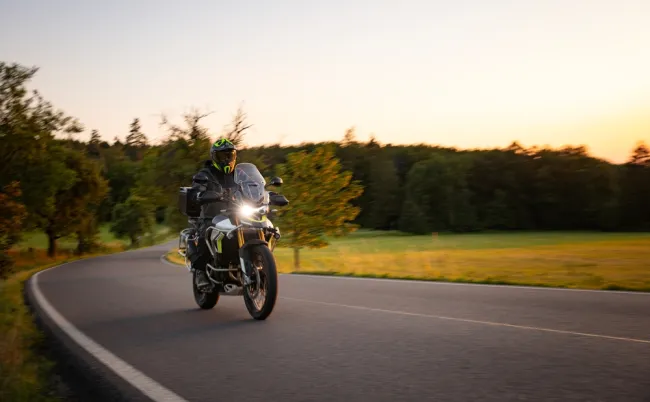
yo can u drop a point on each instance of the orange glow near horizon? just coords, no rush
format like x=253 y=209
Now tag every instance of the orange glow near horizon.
x=471 y=74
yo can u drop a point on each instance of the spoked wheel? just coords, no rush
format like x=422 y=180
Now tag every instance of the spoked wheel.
x=205 y=300
x=260 y=295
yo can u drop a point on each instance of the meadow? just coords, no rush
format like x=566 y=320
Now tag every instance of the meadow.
x=38 y=240
x=586 y=260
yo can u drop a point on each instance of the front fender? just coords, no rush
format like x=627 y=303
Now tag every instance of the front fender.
x=252 y=242
x=244 y=255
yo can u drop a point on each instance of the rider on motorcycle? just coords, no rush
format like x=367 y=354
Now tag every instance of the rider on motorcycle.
x=216 y=175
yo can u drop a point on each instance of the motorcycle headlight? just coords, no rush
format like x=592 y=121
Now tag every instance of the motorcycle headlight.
x=247 y=211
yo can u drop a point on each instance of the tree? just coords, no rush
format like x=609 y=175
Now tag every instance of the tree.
x=12 y=215
x=193 y=133
x=29 y=151
x=136 y=141
x=136 y=137
x=79 y=190
x=133 y=218
x=438 y=188
x=238 y=127
x=319 y=194
x=635 y=190
x=350 y=137
x=640 y=155
x=93 y=148
x=172 y=165
x=27 y=124
x=384 y=193
x=95 y=138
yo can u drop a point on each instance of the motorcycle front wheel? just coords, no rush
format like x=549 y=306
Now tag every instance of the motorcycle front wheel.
x=260 y=296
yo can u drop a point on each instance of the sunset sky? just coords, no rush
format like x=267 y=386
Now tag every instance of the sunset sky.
x=468 y=73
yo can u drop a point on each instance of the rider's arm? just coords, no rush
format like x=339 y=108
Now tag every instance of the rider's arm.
x=200 y=182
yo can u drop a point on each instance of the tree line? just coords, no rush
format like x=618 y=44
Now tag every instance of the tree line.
x=424 y=189
x=53 y=181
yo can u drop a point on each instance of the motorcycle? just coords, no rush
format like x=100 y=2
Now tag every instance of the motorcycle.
x=241 y=241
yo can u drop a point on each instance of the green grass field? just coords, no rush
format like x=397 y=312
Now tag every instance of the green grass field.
x=565 y=259
x=38 y=240
x=574 y=260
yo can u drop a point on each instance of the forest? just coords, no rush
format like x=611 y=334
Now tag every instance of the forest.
x=64 y=179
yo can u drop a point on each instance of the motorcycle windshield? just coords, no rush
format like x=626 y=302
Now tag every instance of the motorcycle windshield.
x=250 y=181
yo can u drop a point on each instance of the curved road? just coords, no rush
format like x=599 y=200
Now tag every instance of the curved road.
x=343 y=339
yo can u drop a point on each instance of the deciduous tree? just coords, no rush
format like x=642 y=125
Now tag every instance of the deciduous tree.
x=133 y=219
x=238 y=127
x=319 y=194
x=80 y=189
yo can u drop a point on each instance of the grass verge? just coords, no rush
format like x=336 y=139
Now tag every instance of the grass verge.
x=601 y=261
x=26 y=374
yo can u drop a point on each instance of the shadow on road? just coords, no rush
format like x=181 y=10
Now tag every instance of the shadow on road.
x=165 y=326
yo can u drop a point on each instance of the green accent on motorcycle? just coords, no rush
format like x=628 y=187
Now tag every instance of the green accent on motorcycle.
x=264 y=219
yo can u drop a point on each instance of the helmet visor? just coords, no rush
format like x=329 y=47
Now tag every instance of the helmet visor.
x=225 y=157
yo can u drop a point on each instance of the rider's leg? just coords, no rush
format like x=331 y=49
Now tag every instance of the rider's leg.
x=199 y=256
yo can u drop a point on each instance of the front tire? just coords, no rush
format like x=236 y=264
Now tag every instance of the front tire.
x=205 y=300
x=264 y=262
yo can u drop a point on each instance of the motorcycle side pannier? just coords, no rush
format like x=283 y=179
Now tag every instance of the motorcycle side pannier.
x=186 y=205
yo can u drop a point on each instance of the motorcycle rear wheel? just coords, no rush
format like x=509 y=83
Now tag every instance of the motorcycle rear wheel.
x=205 y=300
x=264 y=262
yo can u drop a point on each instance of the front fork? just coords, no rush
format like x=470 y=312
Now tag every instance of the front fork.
x=241 y=241
x=242 y=263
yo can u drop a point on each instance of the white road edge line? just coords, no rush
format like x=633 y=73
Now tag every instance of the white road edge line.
x=137 y=379
x=440 y=317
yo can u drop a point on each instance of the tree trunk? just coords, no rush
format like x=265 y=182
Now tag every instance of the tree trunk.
x=51 y=245
x=296 y=259
x=81 y=243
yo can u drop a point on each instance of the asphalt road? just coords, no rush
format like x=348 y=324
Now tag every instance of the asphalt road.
x=338 y=339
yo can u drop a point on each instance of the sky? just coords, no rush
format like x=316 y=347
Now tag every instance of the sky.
x=467 y=73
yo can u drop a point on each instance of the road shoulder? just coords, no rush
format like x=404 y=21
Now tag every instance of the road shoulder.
x=87 y=371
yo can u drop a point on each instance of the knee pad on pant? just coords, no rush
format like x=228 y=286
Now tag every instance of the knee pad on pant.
x=193 y=253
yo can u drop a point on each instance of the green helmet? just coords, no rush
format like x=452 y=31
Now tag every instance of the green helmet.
x=224 y=155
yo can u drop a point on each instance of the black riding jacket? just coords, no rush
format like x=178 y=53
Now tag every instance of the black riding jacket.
x=209 y=178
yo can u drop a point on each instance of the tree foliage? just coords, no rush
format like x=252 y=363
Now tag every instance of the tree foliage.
x=67 y=187
x=76 y=198
x=172 y=165
x=238 y=127
x=136 y=141
x=320 y=193
x=58 y=183
x=132 y=219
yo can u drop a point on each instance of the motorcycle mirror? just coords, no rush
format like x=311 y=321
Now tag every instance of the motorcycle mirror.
x=279 y=200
